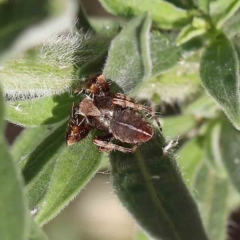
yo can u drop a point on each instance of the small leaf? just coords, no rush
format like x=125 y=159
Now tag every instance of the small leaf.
x=13 y=205
x=219 y=72
x=28 y=140
x=190 y=155
x=41 y=111
x=72 y=171
x=211 y=193
x=149 y=185
x=36 y=233
x=222 y=10
x=230 y=152
x=164 y=14
x=16 y=17
x=164 y=53
x=189 y=32
x=128 y=60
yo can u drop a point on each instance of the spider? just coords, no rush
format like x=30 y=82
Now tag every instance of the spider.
x=117 y=116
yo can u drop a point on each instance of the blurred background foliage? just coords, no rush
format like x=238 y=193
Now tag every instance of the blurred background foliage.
x=208 y=145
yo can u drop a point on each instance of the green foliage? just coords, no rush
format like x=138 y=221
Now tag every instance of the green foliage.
x=154 y=53
x=212 y=195
x=147 y=183
x=220 y=76
x=13 y=205
x=133 y=41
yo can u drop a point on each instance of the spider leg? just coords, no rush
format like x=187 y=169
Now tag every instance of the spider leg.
x=108 y=146
x=104 y=138
x=124 y=101
x=124 y=97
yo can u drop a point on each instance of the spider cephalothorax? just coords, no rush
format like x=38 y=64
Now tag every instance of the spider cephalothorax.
x=118 y=116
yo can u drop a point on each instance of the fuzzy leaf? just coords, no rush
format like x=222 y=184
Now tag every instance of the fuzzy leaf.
x=211 y=193
x=28 y=140
x=230 y=152
x=55 y=173
x=41 y=111
x=149 y=185
x=72 y=171
x=128 y=61
x=164 y=14
x=164 y=53
x=51 y=68
x=219 y=72
x=13 y=205
x=222 y=10
x=17 y=17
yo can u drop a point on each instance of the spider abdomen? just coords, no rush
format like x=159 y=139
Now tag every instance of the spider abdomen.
x=130 y=127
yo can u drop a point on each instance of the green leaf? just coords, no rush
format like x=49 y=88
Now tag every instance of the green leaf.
x=149 y=185
x=211 y=149
x=230 y=152
x=28 y=140
x=164 y=14
x=211 y=193
x=51 y=68
x=37 y=168
x=13 y=205
x=203 y=5
x=219 y=72
x=72 y=171
x=36 y=233
x=41 y=111
x=222 y=10
x=164 y=53
x=55 y=173
x=189 y=32
x=190 y=155
x=176 y=126
x=16 y=17
x=128 y=60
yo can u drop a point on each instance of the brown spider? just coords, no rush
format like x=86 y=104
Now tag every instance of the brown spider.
x=117 y=116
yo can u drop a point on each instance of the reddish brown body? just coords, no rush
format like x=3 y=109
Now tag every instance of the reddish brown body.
x=117 y=116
